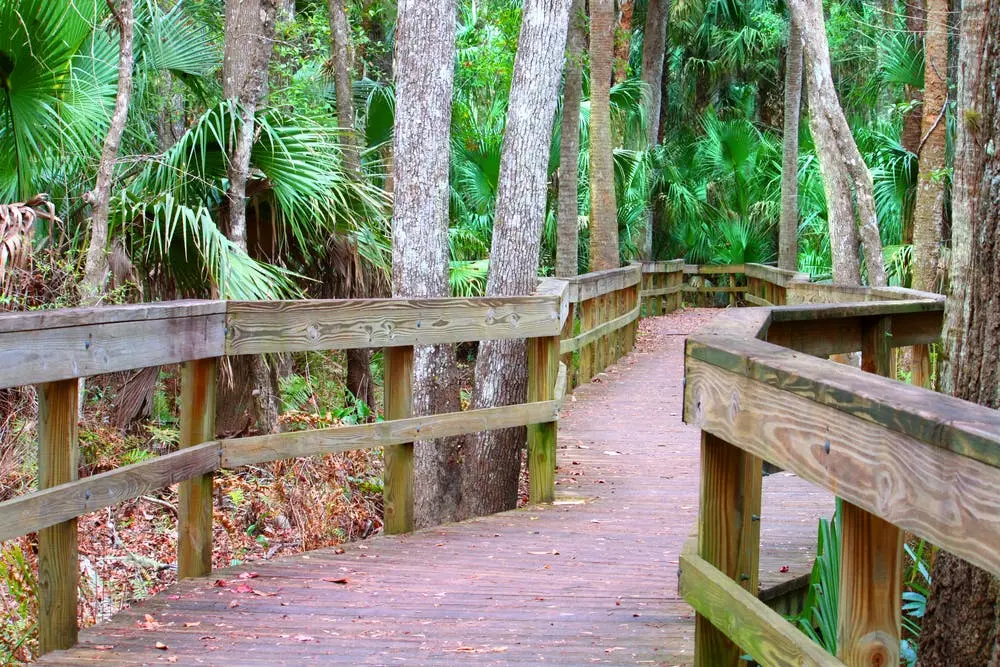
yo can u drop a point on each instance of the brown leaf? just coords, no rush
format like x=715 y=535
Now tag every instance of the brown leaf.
x=193 y=624
x=161 y=646
x=234 y=604
x=102 y=647
x=248 y=575
x=342 y=580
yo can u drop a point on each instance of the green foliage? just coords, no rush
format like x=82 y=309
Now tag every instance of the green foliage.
x=19 y=601
x=818 y=618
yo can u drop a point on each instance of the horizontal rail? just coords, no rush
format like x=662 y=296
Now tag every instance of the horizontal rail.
x=573 y=344
x=600 y=283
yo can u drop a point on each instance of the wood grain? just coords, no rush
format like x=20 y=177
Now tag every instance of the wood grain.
x=599 y=283
x=589 y=336
x=398 y=483
x=194 y=507
x=257 y=327
x=37 y=320
x=58 y=569
x=543 y=372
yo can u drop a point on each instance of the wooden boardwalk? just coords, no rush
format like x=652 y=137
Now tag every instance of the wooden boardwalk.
x=591 y=579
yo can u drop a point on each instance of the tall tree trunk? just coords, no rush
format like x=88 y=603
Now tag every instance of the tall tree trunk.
x=654 y=47
x=493 y=462
x=425 y=52
x=246 y=56
x=960 y=628
x=928 y=213
x=603 y=208
x=359 y=374
x=912 y=132
x=623 y=39
x=788 y=231
x=567 y=260
x=839 y=157
x=95 y=272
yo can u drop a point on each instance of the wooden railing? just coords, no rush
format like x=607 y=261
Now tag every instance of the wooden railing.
x=52 y=349
x=901 y=457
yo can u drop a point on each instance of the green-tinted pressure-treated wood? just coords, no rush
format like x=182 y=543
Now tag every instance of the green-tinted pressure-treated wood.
x=398 y=486
x=194 y=507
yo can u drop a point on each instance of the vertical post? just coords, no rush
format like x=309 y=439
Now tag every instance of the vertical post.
x=920 y=366
x=194 y=507
x=588 y=320
x=661 y=282
x=634 y=326
x=58 y=566
x=732 y=285
x=398 y=484
x=621 y=299
x=601 y=344
x=646 y=282
x=543 y=368
x=871 y=570
x=677 y=281
x=728 y=534
x=567 y=359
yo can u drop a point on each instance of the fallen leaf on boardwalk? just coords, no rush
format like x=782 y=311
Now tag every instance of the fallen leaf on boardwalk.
x=172 y=658
x=193 y=624
x=102 y=647
x=338 y=551
x=161 y=646
x=263 y=594
x=783 y=568
x=614 y=648
x=248 y=575
x=612 y=453
x=482 y=649
x=304 y=638
x=148 y=623
x=544 y=553
x=243 y=588
x=234 y=604
x=220 y=583
x=342 y=580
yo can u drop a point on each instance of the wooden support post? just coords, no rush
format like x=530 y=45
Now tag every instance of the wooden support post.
x=677 y=298
x=58 y=561
x=920 y=366
x=732 y=284
x=398 y=484
x=543 y=368
x=621 y=300
x=194 y=507
x=647 y=284
x=727 y=536
x=871 y=570
x=588 y=353
x=661 y=282
x=601 y=345
x=633 y=328
x=567 y=359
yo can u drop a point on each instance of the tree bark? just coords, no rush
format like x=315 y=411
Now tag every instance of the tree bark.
x=95 y=272
x=568 y=224
x=623 y=39
x=603 y=207
x=788 y=230
x=424 y=68
x=911 y=134
x=653 y=53
x=928 y=214
x=960 y=627
x=493 y=462
x=839 y=157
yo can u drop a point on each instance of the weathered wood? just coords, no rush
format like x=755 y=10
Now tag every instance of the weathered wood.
x=599 y=283
x=543 y=371
x=755 y=300
x=37 y=320
x=712 y=269
x=257 y=327
x=663 y=291
x=760 y=631
x=827 y=336
x=51 y=354
x=667 y=266
x=903 y=480
x=688 y=289
x=727 y=505
x=559 y=288
x=58 y=567
x=621 y=309
x=587 y=337
x=398 y=486
x=774 y=275
x=194 y=507
x=34 y=511
x=588 y=352
x=871 y=563
x=258 y=449
x=567 y=334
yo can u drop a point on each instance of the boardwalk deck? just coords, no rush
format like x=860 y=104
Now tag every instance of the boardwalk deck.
x=591 y=579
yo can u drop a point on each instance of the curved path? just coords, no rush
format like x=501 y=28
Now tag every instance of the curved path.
x=591 y=579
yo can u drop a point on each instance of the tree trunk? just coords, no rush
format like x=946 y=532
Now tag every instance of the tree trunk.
x=788 y=231
x=425 y=53
x=603 y=208
x=960 y=628
x=246 y=56
x=910 y=138
x=567 y=260
x=359 y=374
x=653 y=52
x=95 y=272
x=493 y=462
x=928 y=212
x=839 y=157
x=623 y=39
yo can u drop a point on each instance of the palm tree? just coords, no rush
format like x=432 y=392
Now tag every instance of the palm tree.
x=603 y=208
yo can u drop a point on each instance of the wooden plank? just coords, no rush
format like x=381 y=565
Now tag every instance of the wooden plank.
x=567 y=334
x=589 y=336
x=257 y=449
x=36 y=320
x=257 y=327
x=755 y=300
x=688 y=289
x=943 y=421
x=599 y=283
x=713 y=269
x=871 y=563
x=588 y=352
x=667 y=266
x=774 y=275
x=824 y=337
x=559 y=288
x=543 y=371
x=827 y=311
x=53 y=354
x=41 y=509
x=194 y=507
x=58 y=566
x=949 y=500
x=561 y=383
x=398 y=485
x=760 y=631
x=663 y=291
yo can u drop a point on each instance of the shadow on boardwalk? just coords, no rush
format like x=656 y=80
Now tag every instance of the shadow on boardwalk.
x=591 y=579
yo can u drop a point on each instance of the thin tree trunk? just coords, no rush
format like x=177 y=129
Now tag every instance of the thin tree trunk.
x=653 y=54
x=845 y=175
x=623 y=39
x=960 y=628
x=603 y=207
x=567 y=259
x=910 y=137
x=788 y=243
x=928 y=213
x=493 y=462
x=95 y=272
x=359 y=374
x=425 y=52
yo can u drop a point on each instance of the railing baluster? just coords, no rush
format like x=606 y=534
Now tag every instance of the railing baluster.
x=58 y=566
x=194 y=508
x=543 y=368
x=398 y=484
x=588 y=353
x=566 y=334
x=871 y=575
